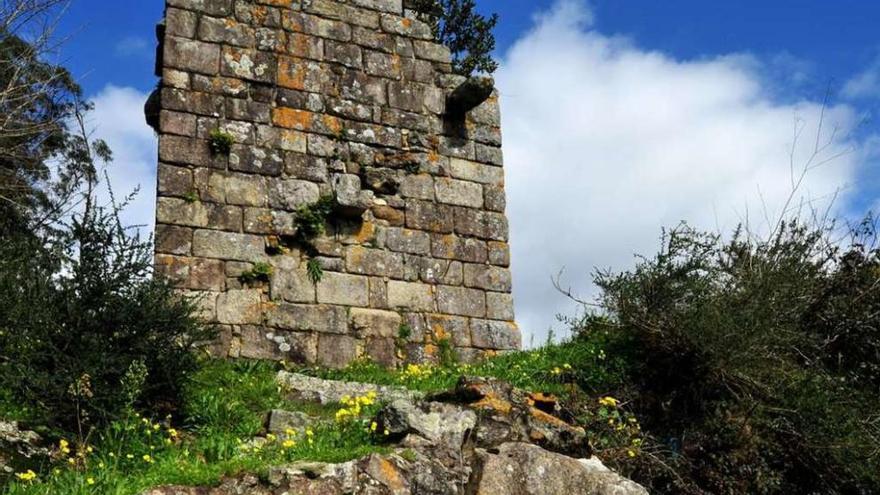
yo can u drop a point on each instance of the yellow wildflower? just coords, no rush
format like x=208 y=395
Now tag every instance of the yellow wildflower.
x=147 y=458
x=172 y=433
x=373 y=426
x=290 y=432
x=288 y=444
x=26 y=476
x=608 y=402
x=90 y=481
x=270 y=437
x=631 y=453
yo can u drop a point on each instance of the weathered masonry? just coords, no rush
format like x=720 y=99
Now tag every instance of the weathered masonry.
x=351 y=103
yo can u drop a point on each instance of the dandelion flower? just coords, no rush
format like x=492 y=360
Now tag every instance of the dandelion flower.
x=28 y=475
x=90 y=481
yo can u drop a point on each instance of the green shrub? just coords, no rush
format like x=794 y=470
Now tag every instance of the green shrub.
x=221 y=142
x=752 y=363
x=86 y=332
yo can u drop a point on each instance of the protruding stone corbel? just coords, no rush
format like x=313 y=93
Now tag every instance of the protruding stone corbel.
x=469 y=95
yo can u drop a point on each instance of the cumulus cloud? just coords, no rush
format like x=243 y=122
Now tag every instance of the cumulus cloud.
x=606 y=142
x=118 y=118
x=866 y=84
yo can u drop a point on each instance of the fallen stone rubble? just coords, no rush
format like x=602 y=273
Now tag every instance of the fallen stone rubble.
x=482 y=438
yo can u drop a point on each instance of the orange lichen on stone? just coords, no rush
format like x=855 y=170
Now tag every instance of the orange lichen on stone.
x=291 y=73
x=391 y=475
x=493 y=403
x=407 y=23
x=365 y=234
x=547 y=418
x=292 y=118
x=433 y=156
x=542 y=401
x=333 y=124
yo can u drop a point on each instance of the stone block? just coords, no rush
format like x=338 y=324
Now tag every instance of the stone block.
x=248 y=64
x=191 y=55
x=382 y=351
x=256 y=160
x=258 y=342
x=184 y=150
x=445 y=272
x=495 y=199
x=343 y=53
x=316 y=26
x=291 y=194
x=246 y=190
x=228 y=246
x=308 y=317
x=196 y=102
x=390 y=6
x=459 y=248
x=240 y=307
x=344 y=289
x=487 y=277
x=499 y=253
x=182 y=124
x=378 y=293
x=375 y=323
x=407 y=241
x=410 y=28
x=499 y=306
x=491 y=334
x=375 y=262
x=461 y=301
x=337 y=351
x=422 y=215
x=205 y=274
x=435 y=52
x=410 y=296
x=173 y=240
x=290 y=281
x=489 y=154
x=174 y=181
x=182 y=212
x=180 y=23
x=459 y=192
x=210 y=7
x=419 y=186
x=226 y=31
x=454 y=328
x=476 y=172
x=483 y=224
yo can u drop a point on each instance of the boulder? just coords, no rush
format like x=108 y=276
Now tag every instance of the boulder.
x=525 y=469
x=308 y=388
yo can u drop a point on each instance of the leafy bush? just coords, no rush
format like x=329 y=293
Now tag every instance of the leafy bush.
x=85 y=332
x=752 y=362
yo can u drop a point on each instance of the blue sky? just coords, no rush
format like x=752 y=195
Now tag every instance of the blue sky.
x=653 y=112
x=113 y=41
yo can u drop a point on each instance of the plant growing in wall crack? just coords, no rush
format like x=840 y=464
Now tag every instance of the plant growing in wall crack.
x=221 y=142
x=315 y=270
x=261 y=272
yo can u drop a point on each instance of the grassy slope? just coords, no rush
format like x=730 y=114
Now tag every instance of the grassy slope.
x=226 y=401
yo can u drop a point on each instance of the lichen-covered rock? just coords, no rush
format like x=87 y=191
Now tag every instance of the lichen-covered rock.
x=19 y=448
x=302 y=387
x=524 y=469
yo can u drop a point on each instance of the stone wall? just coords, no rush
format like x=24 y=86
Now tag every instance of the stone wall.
x=329 y=98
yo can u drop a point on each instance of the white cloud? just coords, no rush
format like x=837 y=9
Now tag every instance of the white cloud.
x=606 y=143
x=865 y=84
x=118 y=118
x=132 y=45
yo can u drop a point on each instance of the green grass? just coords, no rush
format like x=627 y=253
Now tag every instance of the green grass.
x=224 y=408
x=550 y=369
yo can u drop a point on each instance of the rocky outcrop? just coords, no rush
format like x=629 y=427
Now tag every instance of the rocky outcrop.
x=19 y=448
x=310 y=389
x=483 y=437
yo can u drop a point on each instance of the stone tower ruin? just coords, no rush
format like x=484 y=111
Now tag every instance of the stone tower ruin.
x=267 y=108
